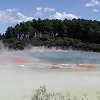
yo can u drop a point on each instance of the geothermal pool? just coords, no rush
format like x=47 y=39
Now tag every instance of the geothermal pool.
x=45 y=56
x=21 y=72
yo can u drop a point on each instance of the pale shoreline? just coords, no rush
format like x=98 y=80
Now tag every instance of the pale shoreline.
x=18 y=83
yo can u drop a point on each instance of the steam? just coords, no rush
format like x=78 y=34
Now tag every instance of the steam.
x=2 y=47
x=29 y=57
x=23 y=58
x=42 y=57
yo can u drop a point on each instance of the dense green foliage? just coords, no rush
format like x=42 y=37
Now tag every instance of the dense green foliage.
x=77 y=34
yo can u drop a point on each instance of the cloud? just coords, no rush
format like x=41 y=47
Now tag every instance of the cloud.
x=13 y=16
x=95 y=10
x=92 y=3
x=41 y=11
x=63 y=15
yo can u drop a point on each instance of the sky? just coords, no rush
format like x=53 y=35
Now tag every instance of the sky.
x=16 y=11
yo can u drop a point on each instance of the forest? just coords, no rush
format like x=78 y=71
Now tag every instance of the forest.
x=76 y=34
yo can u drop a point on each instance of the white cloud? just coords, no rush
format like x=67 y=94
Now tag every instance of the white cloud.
x=41 y=11
x=63 y=15
x=92 y=3
x=95 y=10
x=12 y=16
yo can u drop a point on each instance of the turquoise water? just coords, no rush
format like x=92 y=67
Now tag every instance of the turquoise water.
x=66 y=57
x=40 y=55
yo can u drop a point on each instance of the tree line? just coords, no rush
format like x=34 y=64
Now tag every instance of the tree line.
x=76 y=34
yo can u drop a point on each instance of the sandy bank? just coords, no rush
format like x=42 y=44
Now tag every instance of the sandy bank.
x=18 y=83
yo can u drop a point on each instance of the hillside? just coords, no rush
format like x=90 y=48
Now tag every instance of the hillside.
x=78 y=34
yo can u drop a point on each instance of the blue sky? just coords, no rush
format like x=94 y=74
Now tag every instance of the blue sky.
x=16 y=11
